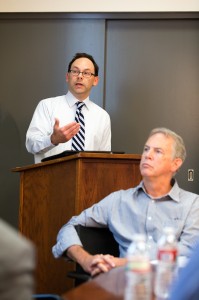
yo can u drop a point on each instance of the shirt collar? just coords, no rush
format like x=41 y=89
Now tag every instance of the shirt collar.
x=71 y=100
x=174 y=193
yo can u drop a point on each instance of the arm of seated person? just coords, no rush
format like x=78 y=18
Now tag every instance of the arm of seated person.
x=94 y=264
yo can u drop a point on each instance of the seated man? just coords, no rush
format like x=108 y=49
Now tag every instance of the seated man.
x=17 y=264
x=155 y=203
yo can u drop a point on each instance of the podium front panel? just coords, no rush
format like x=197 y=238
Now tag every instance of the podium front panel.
x=52 y=192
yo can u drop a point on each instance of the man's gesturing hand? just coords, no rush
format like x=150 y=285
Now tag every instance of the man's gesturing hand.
x=65 y=133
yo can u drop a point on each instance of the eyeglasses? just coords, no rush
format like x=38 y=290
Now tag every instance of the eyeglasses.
x=85 y=74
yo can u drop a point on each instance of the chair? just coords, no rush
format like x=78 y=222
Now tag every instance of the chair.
x=95 y=241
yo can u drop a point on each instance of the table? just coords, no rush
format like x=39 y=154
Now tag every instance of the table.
x=106 y=286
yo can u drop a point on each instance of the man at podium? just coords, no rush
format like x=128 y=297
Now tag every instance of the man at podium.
x=71 y=121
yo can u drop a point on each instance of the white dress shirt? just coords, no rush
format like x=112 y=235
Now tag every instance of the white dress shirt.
x=97 y=126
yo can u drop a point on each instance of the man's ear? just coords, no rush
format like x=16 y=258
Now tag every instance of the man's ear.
x=67 y=77
x=177 y=163
x=96 y=80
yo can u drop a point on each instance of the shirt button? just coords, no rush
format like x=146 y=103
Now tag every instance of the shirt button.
x=149 y=218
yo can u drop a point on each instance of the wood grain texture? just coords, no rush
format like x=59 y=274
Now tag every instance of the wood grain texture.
x=52 y=192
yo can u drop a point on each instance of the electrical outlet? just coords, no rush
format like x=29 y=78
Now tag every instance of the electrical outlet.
x=190 y=174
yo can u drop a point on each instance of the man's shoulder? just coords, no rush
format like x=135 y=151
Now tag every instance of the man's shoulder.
x=53 y=103
x=98 y=108
x=182 y=194
x=55 y=99
x=187 y=195
x=122 y=193
x=192 y=194
x=98 y=113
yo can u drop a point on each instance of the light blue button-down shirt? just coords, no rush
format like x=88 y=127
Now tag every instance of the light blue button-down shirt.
x=131 y=211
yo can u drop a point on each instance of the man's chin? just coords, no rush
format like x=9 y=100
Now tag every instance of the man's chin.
x=145 y=172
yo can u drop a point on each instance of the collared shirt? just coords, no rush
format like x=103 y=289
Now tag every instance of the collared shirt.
x=127 y=212
x=97 y=126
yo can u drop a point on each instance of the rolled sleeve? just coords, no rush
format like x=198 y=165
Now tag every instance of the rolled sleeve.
x=67 y=236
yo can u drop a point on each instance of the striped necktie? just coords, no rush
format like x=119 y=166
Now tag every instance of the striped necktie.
x=79 y=139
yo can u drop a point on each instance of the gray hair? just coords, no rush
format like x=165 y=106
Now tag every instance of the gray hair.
x=179 y=146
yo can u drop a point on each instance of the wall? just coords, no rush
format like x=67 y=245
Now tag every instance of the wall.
x=152 y=75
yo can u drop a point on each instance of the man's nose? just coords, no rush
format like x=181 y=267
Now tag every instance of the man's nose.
x=80 y=74
x=149 y=154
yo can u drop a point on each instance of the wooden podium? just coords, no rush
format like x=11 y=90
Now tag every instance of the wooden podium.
x=52 y=192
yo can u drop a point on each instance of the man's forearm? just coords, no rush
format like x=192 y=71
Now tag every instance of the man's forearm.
x=94 y=264
x=79 y=255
